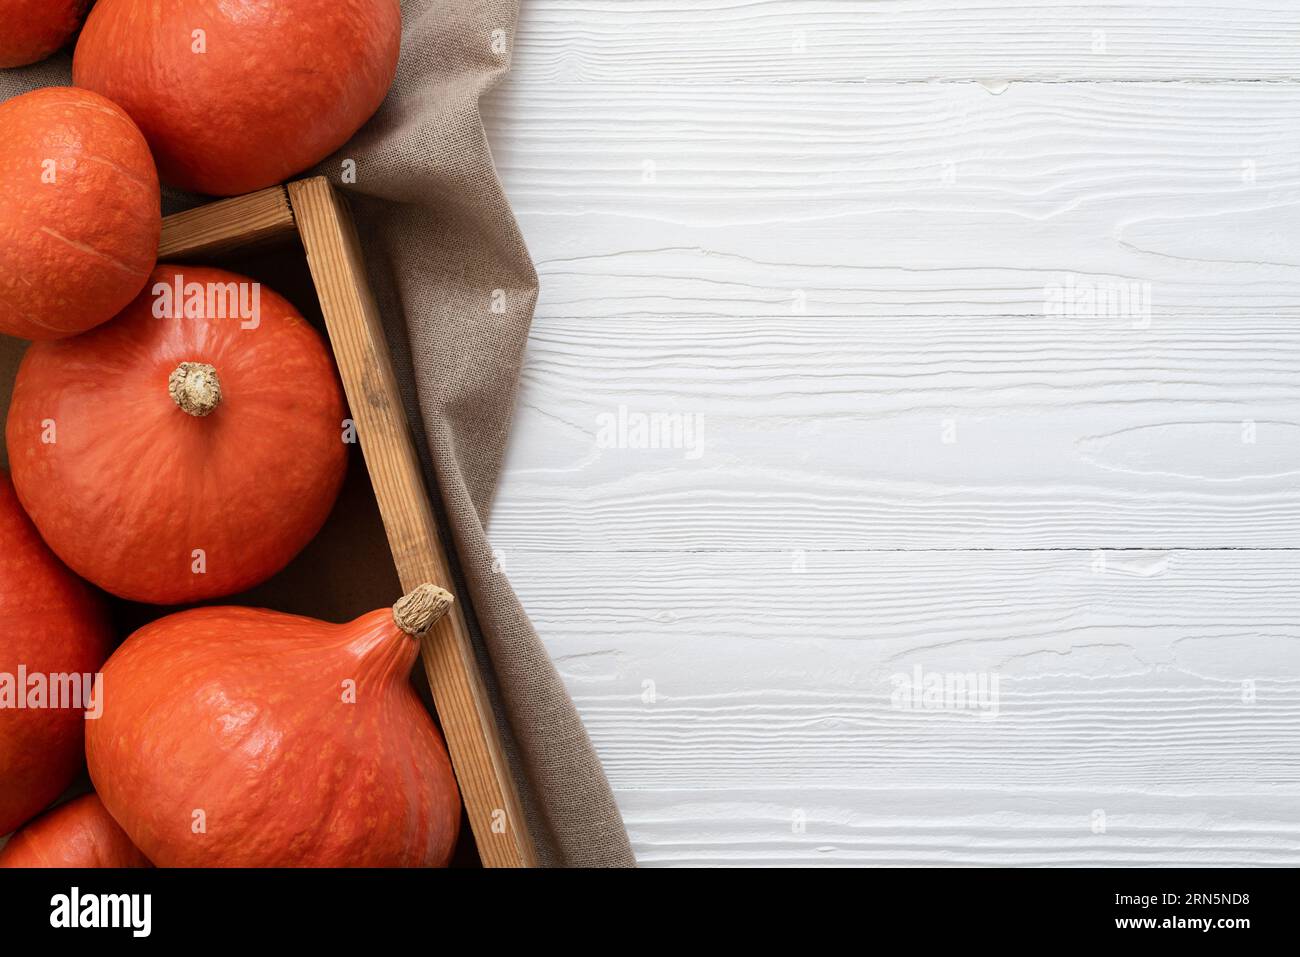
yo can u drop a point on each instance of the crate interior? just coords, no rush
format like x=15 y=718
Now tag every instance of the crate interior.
x=347 y=570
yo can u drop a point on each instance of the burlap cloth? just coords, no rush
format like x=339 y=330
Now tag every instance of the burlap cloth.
x=457 y=288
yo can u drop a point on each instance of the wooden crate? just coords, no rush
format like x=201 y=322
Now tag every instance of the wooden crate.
x=262 y=225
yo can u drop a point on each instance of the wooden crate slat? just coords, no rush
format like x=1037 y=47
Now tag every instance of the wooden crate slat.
x=227 y=225
x=356 y=332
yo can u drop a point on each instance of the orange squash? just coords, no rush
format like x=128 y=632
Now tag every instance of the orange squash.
x=239 y=95
x=175 y=459
x=50 y=625
x=80 y=833
x=80 y=212
x=234 y=737
x=33 y=29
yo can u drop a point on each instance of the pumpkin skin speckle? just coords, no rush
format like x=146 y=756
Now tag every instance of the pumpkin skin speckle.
x=80 y=833
x=236 y=95
x=80 y=212
x=126 y=486
x=228 y=740
x=33 y=29
x=52 y=624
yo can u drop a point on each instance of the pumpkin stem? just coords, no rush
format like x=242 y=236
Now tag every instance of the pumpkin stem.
x=195 y=388
x=423 y=608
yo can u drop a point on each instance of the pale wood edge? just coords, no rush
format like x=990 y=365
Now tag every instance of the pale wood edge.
x=227 y=225
x=356 y=332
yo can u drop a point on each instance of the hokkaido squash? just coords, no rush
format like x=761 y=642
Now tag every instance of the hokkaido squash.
x=33 y=29
x=189 y=448
x=235 y=737
x=80 y=833
x=239 y=95
x=52 y=628
x=80 y=212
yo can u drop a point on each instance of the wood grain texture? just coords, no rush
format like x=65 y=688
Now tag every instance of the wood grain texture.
x=242 y=223
x=832 y=234
x=853 y=41
x=728 y=691
x=356 y=333
x=948 y=827
x=908 y=433
x=880 y=200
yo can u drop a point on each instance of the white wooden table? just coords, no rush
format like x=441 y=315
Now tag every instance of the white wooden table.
x=852 y=243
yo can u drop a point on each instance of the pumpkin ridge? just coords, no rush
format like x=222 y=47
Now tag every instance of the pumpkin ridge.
x=126 y=173
x=89 y=250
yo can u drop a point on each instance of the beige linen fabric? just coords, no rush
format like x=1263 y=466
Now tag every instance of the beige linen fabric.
x=457 y=288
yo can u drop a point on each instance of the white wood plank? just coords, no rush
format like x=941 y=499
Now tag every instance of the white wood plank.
x=914 y=200
x=694 y=41
x=726 y=692
x=832 y=230
x=883 y=827
x=908 y=433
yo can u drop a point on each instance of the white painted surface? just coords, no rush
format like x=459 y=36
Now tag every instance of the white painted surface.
x=834 y=237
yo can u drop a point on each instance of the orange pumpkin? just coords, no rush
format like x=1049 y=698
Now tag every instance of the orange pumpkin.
x=80 y=212
x=50 y=625
x=80 y=833
x=175 y=459
x=243 y=94
x=33 y=29
x=234 y=737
